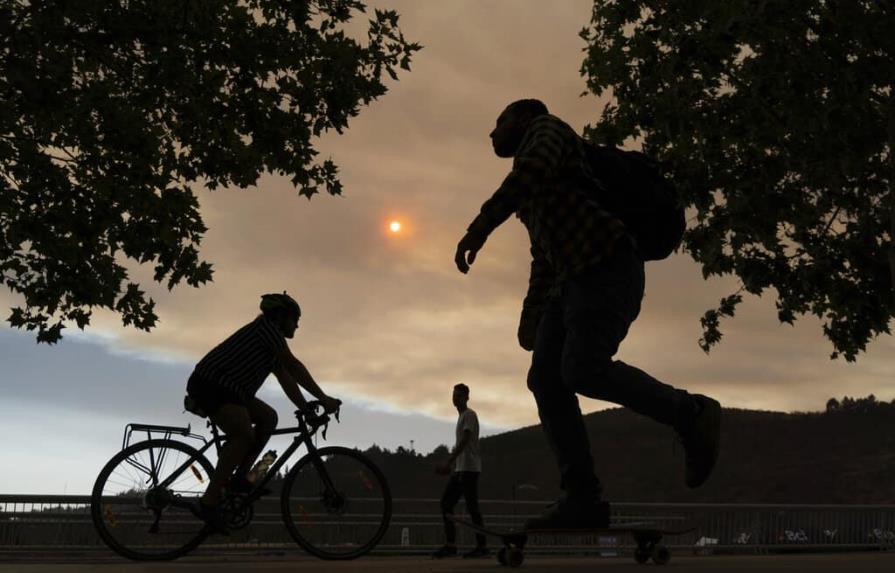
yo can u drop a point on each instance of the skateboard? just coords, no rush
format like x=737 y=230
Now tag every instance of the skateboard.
x=647 y=536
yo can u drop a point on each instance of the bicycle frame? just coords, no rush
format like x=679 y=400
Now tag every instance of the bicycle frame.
x=303 y=438
x=163 y=484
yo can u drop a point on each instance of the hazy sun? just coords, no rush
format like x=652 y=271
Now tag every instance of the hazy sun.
x=394 y=226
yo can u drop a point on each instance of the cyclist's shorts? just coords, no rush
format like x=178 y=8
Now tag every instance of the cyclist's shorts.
x=210 y=395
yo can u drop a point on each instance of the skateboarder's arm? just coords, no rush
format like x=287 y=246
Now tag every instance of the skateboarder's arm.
x=542 y=151
x=539 y=284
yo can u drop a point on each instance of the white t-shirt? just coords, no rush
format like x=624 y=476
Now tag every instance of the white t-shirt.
x=469 y=459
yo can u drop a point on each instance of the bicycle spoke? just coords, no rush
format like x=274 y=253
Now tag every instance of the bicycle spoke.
x=338 y=507
x=127 y=477
x=136 y=514
x=192 y=476
x=154 y=466
x=140 y=466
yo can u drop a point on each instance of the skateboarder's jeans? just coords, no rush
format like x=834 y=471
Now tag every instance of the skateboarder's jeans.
x=467 y=485
x=579 y=333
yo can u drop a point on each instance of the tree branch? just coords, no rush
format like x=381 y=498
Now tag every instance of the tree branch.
x=832 y=220
x=15 y=184
x=63 y=159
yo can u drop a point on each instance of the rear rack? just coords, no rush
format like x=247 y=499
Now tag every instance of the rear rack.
x=166 y=431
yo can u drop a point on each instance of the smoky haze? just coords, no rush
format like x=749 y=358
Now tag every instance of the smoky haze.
x=388 y=321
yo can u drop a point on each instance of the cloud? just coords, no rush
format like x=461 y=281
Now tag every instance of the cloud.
x=388 y=318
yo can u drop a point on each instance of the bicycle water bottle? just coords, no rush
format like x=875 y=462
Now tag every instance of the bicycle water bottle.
x=262 y=466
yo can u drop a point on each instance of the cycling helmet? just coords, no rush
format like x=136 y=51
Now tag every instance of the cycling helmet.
x=275 y=302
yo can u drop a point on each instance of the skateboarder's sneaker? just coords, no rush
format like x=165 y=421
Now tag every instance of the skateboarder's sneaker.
x=572 y=513
x=479 y=551
x=701 y=437
x=445 y=551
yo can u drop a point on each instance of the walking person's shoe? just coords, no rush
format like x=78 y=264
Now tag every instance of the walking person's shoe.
x=478 y=551
x=572 y=513
x=445 y=551
x=212 y=517
x=701 y=437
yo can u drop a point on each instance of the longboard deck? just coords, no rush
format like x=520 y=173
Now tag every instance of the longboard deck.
x=647 y=536
x=632 y=528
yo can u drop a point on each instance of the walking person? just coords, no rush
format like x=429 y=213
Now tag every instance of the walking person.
x=585 y=290
x=464 y=467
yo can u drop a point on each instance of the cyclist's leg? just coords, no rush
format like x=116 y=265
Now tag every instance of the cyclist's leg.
x=234 y=420
x=264 y=419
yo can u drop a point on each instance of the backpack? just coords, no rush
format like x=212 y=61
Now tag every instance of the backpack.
x=637 y=193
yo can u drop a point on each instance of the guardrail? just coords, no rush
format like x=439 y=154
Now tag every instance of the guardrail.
x=62 y=522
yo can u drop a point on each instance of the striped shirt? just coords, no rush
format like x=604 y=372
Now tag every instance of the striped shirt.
x=243 y=361
x=550 y=189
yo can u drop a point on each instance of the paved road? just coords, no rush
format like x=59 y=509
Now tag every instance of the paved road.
x=844 y=563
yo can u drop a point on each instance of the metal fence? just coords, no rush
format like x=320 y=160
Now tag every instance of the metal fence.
x=62 y=522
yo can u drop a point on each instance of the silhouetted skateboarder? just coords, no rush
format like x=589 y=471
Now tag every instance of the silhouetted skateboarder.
x=585 y=290
x=223 y=387
x=464 y=466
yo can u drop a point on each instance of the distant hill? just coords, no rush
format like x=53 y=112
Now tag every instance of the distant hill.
x=838 y=456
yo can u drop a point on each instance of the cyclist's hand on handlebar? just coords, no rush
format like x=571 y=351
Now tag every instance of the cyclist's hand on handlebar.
x=330 y=404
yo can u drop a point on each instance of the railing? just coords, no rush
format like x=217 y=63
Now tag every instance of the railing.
x=62 y=522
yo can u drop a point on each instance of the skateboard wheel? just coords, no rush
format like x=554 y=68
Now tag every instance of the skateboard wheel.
x=661 y=555
x=515 y=557
x=641 y=555
x=502 y=556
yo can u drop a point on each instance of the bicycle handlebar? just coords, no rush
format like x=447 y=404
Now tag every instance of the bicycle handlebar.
x=314 y=420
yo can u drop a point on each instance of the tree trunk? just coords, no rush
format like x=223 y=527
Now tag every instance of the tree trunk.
x=891 y=158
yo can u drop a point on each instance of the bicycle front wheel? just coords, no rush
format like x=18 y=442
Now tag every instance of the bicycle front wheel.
x=336 y=503
x=140 y=500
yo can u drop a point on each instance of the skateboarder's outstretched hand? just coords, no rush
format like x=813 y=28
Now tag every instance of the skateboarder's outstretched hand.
x=467 y=249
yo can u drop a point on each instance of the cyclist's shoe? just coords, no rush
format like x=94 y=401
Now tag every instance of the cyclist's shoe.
x=445 y=551
x=572 y=513
x=701 y=437
x=478 y=551
x=212 y=517
x=242 y=485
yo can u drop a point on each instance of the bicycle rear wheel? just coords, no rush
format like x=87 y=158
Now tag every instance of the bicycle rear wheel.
x=140 y=498
x=336 y=503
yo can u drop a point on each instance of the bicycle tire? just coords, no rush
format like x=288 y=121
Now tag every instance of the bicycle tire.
x=304 y=468
x=96 y=501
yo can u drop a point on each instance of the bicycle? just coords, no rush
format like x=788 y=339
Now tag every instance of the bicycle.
x=335 y=502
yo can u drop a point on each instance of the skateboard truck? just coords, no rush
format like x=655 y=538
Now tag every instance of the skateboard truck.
x=648 y=538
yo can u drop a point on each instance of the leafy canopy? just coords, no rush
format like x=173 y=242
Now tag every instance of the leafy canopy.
x=110 y=110
x=776 y=121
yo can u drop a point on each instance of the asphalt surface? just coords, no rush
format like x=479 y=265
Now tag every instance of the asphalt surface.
x=841 y=562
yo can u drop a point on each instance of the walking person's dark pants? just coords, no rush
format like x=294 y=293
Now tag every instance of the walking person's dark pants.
x=467 y=485
x=579 y=333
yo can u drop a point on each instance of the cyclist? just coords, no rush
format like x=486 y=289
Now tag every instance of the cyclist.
x=223 y=387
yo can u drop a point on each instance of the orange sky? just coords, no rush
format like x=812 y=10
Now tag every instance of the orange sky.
x=388 y=318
